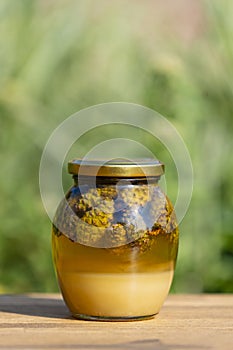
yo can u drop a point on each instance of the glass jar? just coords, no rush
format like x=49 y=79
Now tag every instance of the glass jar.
x=115 y=240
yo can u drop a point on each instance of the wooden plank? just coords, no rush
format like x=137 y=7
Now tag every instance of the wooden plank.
x=41 y=321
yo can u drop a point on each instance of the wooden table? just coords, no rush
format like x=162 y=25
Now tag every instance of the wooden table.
x=41 y=321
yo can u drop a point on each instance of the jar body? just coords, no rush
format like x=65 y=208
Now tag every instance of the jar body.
x=114 y=248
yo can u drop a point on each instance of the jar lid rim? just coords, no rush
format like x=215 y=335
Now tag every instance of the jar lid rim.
x=116 y=167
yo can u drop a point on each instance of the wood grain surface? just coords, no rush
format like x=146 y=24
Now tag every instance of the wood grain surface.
x=42 y=321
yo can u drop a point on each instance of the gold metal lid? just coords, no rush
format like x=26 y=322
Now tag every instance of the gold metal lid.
x=118 y=167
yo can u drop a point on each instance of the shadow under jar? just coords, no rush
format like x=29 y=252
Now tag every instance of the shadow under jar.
x=115 y=240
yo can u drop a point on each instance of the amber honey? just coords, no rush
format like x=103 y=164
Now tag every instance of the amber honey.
x=105 y=283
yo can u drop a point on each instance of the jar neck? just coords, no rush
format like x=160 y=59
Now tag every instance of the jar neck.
x=101 y=180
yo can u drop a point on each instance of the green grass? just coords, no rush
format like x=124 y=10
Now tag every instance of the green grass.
x=59 y=57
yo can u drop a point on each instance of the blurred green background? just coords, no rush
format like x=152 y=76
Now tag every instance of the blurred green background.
x=59 y=56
